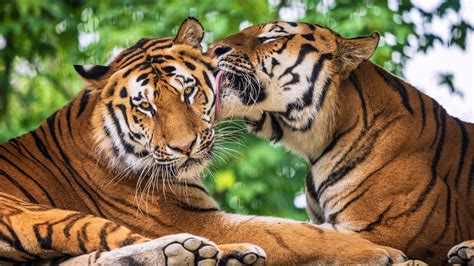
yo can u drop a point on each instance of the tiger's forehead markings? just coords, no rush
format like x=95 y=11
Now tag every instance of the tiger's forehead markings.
x=281 y=28
x=138 y=91
x=182 y=78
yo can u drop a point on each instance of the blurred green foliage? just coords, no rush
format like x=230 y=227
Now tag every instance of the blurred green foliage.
x=41 y=40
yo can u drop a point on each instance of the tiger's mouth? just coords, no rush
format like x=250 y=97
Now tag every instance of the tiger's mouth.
x=245 y=85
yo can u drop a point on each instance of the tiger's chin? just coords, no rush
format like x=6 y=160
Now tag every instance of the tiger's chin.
x=184 y=169
x=192 y=168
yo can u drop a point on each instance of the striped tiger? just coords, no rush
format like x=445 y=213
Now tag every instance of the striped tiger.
x=139 y=134
x=386 y=161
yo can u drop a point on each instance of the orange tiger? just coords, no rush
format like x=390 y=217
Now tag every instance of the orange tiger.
x=140 y=133
x=386 y=161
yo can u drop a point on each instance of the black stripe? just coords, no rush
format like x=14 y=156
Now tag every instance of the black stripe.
x=332 y=218
x=129 y=60
x=162 y=47
x=74 y=219
x=355 y=82
x=447 y=217
x=470 y=178
x=104 y=245
x=311 y=193
x=187 y=207
x=458 y=224
x=371 y=226
x=190 y=65
x=82 y=237
x=309 y=36
x=191 y=185
x=123 y=92
x=68 y=119
x=131 y=239
x=333 y=143
x=324 y=91
x=143 y=76
x=14 y=241
x=83 y=102
x=464 y=145
x=156 y=42
x=423 y=112
x=310 y=187
x=256 y=125
x=19 y=186
x=277 y=131
x=396 y=84
x=125 y=75
x=285 y=43
x=111 y=89
x=424 y=225
x=436 y=119
x=124 y=54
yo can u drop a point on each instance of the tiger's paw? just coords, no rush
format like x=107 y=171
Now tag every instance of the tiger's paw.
x=191 y=250
x=179 y=249
x=411 y=263
x=462 y=253
x=242 y=254
x=384 y=255
x=365 y=252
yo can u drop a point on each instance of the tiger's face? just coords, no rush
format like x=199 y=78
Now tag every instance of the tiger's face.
x=157 y=106
x=284 y=69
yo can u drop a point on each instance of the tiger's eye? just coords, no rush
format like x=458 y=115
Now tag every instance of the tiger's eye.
x=188 y=90
x=145 y=105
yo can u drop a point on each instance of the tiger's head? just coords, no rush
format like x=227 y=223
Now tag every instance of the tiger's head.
x=285 y=69
x=156 y=105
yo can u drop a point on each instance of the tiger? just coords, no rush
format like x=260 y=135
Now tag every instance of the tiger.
x=112 y=178
x=386 y=161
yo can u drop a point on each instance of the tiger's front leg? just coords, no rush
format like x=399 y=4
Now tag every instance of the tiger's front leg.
x=30 y=232
x=287 y=242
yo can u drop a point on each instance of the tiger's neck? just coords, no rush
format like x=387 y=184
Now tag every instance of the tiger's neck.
x=68 y=133
x=367 y=111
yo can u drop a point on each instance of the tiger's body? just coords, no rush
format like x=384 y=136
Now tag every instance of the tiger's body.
x=386 y=161
x=138 y=135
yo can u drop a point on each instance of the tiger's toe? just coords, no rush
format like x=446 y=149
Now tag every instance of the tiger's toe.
x=242 y=254
x=180 y=249
x=462 y=253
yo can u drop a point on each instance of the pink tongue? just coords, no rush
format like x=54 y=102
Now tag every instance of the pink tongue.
x=218 y=84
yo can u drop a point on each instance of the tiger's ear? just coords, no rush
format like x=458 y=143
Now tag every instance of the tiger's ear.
x=190 y=32
x=92 y=72
x=352 y=52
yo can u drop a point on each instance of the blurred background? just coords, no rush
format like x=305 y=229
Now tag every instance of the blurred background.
x=429 y=43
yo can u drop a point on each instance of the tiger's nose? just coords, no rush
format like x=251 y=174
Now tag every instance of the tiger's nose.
x=185 y=148
x=219 y=50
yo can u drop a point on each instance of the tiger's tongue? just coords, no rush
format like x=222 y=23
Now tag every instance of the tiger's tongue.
x=219 y=81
